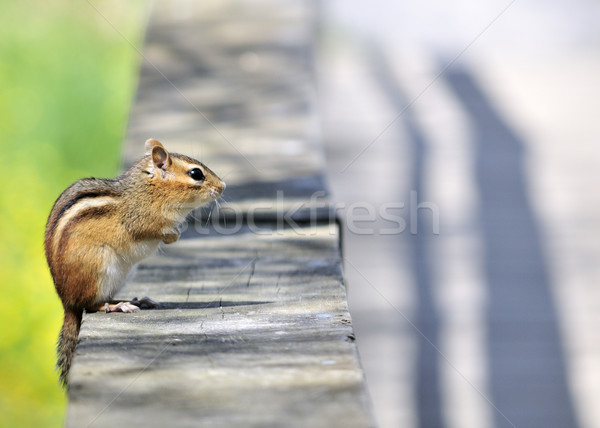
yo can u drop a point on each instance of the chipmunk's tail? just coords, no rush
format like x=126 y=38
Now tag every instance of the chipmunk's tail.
x=67 y=340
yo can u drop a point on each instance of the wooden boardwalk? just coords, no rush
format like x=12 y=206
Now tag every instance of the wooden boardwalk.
x=253 y=328
x=479 y=117
x=252 y=331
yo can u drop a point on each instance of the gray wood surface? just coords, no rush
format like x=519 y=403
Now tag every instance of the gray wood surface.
x=252 y=331
x=230 y=82
x=253 y=327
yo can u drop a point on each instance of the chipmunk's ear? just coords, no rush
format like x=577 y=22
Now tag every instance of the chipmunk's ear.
x=160 y=156
x=150 y=144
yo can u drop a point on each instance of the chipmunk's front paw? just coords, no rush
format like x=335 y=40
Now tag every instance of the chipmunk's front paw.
x=145 y=303
x=126 y=307
x=171 y=236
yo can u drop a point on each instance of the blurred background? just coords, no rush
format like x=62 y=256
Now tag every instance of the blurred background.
x=482 y=115
x=488 y=112
x=66 y=84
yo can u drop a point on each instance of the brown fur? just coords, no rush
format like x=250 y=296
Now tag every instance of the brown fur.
x=67 y=340
x=95 y=219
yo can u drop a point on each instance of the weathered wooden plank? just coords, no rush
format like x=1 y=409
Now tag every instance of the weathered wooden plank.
x=230 y=82
x=253 y=330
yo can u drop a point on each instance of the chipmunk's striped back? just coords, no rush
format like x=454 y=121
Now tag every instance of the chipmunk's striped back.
x=86 y=196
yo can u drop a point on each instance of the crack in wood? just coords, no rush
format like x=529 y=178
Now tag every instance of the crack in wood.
x=252 y=268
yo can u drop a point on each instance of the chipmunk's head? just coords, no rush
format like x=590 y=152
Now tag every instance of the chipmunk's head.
x=180 y=180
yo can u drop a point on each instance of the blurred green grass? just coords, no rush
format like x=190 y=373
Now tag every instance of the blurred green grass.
x=67 y=79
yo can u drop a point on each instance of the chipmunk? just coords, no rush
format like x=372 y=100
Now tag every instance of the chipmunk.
x=99 y=229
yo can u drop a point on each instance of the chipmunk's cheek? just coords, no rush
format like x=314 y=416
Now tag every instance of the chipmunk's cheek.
x=201 y=198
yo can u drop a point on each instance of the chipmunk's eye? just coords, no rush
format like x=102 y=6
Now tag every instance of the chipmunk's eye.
x=196 y=174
